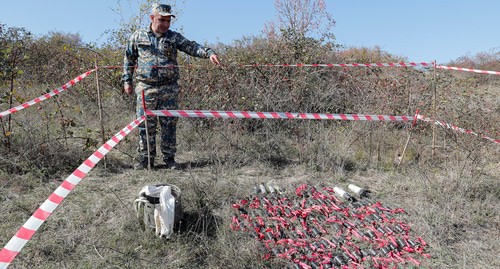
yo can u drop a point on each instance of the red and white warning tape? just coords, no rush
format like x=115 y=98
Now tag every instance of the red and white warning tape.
x=303 y=116
x=411 y=64
x=47 y=95
x=24 y=234
x=402 y=64
x=456 y=128
x=468 y=70
x=273 y=115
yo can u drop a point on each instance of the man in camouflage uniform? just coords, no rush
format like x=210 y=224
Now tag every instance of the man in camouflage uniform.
x=152 y=55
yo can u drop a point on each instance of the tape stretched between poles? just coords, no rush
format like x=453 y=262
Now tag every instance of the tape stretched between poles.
x=47 y=95
x=401 y=64
x=273 y=115
x=456 y=128
x=488 y=72
x=24 y=234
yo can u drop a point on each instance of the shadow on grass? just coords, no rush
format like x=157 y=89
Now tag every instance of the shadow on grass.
x=201 y=223
x=187 y=165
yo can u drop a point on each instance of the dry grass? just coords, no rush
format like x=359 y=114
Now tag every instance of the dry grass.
x=453 y=205
x=452 y=198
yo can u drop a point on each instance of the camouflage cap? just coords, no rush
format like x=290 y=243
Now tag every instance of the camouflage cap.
x=162 y=9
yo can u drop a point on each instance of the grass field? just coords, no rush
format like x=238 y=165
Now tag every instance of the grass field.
x=452 y=204
x=449 y=185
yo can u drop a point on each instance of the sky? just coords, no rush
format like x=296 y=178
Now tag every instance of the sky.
x=421 y=30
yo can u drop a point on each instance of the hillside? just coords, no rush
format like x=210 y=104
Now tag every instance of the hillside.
x=446 y=181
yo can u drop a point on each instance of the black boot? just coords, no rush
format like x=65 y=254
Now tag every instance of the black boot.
x=170 y=163
x=143 y=164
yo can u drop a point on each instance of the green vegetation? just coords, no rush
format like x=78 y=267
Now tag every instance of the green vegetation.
x=450 y=191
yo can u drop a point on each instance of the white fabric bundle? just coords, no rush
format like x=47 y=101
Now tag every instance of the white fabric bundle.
x=164 y=212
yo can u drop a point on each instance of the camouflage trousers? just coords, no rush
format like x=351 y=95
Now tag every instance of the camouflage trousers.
x=163 y=97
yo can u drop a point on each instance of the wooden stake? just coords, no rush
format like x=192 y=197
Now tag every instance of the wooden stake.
x=434 y=110
x=410 y=131
x=99 y=103
x=147 y=129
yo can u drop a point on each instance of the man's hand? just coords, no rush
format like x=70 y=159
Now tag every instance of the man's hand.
x=128 y=88
x=214 y=59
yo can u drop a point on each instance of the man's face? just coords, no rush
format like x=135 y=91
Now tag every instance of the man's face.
x=160 y=24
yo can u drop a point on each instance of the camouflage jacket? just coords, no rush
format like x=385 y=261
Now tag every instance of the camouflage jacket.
x=154 y=58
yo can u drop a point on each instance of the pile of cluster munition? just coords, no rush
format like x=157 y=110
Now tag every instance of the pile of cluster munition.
x=328 y=228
